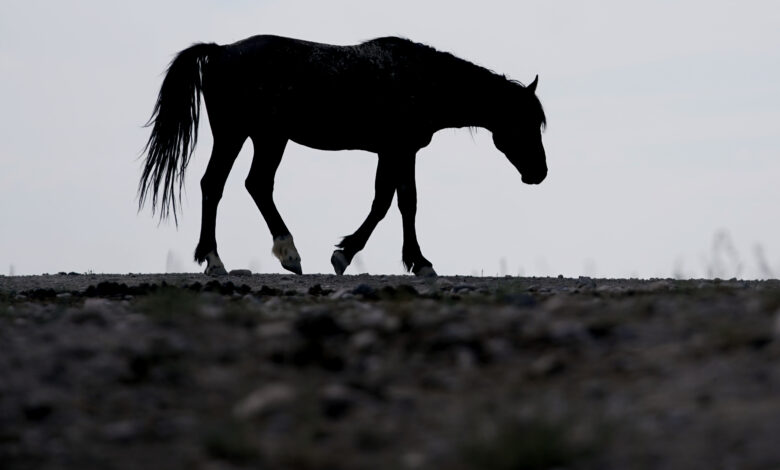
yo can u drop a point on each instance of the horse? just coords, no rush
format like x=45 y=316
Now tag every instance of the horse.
x=387 y=96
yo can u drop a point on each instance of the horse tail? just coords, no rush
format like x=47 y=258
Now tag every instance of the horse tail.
x=174 y=123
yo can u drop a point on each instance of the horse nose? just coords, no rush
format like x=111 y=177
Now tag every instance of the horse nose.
x=535 y=177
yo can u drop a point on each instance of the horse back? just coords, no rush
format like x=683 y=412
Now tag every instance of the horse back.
x=325 y=96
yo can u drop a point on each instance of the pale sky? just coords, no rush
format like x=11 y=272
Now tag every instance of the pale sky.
x=663 y=140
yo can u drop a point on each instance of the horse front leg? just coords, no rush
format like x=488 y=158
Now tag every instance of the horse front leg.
x=412 y=257
x=384 y=188
x=260 y=184
x=223 y=154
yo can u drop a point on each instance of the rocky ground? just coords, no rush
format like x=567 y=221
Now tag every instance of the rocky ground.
x=387 y=372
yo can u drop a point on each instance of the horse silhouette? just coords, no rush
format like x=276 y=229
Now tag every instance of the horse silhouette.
x=388 y=96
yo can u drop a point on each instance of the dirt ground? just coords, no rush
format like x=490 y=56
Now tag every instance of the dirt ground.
x=387 y=372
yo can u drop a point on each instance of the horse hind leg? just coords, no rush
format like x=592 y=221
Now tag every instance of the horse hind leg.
x=260 y=184
x=412 y=256
x=212 y=184
x=384 y=188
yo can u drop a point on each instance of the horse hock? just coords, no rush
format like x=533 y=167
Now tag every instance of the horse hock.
x=285 y=252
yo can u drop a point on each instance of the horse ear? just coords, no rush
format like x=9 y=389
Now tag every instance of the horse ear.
x=532 y=86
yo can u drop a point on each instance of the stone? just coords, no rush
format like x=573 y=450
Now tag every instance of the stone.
x=240 y=272
x=263 y=400
x=363 y=340
x=336 y=401
x=365 y=291
x=274 y=329
x=122 y=431
x=342 y=294
x=547 y=365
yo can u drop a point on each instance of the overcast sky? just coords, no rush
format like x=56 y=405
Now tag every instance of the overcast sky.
x=663 y=140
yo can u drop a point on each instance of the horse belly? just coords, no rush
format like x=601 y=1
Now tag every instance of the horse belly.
x=337 y=134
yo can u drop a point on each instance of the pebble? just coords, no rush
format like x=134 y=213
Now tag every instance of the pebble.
x=363 y=340
x=463 y=288
x=657 y=286
x=342 y=294
x=274 y=329
x=546 y=365
x=96 y=304
x=365 y=291
x=263 y=400
x=336 y=401
x=122 y=431
x=568 y=331
x=240 y=272
x=372 y=319
x=777 y=325
x=413 y=460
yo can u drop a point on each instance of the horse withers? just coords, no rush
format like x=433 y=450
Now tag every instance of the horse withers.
x=387 y=96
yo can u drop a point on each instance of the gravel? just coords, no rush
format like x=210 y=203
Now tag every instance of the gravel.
x=395 y=372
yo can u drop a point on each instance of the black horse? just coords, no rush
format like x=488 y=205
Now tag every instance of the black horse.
x=387 y=96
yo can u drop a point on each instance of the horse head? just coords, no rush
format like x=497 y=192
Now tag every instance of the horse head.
x=518 y=134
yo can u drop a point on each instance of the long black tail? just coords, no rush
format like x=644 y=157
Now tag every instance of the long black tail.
x=174 y=124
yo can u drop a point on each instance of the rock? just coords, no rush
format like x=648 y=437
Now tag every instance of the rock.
x=373 y=319
x=452 y=334
x=464 y=358
x=317 y=290
x=274 y=329
x=38 y=406
x=341 y=294
x=95 y=312
x=460 y=288
x=657 y=286
x=413 y=460
x=547 y=365
x=97 y=305
x=497 y=349
x=401 y=292
x=270 y=291
x=122 y=431
x=264 y=400
x=240 y=272
x=336 y=401
x=519 y=299
x=568 y=331
x=317 y=324
x=365 y=291
x=776 y=326
x=363 y=340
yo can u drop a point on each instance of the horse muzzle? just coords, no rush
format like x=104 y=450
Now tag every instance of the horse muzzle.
x=533 y=177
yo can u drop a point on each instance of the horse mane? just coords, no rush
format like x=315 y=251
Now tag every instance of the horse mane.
x=453 y=65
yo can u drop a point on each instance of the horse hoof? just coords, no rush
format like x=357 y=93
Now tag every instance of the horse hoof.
x=339 y=262
x=216 y=271
x=293 y=266
x=426 y=271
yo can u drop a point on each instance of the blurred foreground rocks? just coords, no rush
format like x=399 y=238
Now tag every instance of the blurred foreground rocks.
x=277 y=371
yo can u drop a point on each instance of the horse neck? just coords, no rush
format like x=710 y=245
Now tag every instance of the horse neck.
x=474 y=104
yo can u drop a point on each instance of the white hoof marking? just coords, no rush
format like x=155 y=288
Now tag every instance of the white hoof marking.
x=426 y=271
x=214 y=265
x=284 y=249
